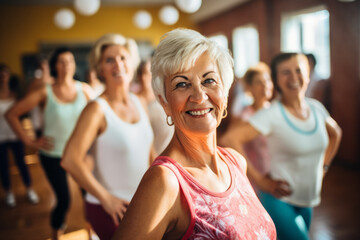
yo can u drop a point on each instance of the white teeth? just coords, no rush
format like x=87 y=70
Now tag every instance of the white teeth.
x=198 y=113
x=118 y=74
x=294 y=85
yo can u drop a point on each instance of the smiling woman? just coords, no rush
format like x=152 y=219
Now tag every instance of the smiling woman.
x=117 y=129
x=194 y=189
x=196 y=100
x=302 y=140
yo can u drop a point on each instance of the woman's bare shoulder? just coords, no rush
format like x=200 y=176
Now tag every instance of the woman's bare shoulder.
x=154 y=208
x=162 y=177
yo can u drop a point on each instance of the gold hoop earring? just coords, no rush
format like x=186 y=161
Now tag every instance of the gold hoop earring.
x=167 y=121
x=225 y=113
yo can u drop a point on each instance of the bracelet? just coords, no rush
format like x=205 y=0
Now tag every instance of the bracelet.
x=326 y=167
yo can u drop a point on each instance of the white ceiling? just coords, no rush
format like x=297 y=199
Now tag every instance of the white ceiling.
x=208 y=8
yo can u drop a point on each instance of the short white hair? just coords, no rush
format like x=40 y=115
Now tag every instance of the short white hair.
x=108 y=40
x=179 y=49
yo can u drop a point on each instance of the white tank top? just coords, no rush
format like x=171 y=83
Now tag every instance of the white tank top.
x=121 y=152
x=6 y=133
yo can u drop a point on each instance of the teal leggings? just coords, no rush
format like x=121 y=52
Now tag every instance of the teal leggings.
x=291 y=222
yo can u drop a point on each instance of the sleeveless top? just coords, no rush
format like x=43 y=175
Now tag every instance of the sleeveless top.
x=6 y=133
x=234 y=214
x=121 y=152
x=60 y=119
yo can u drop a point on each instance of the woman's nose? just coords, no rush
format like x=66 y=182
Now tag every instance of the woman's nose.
x=119 y=63
x=198 y=94
x=295 y=75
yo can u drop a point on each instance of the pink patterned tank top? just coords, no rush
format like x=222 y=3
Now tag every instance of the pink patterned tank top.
x=234 y=214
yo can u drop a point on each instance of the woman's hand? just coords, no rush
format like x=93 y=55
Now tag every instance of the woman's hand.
x=45 y=143
x=277 y=188
x=115 y=207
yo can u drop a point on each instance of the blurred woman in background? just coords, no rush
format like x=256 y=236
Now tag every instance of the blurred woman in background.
x=62 y=103
x=94 y=82
x=302 y=141
x=42 y=77
x=117 y=129
x=9 y=94
x=257 y=82
x=162 y=132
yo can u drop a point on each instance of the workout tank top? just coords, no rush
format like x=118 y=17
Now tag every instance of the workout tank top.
x=121 y=152
x=234 y=214
x=60 y=119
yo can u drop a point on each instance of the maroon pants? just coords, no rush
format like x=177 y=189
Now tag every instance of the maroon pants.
x=100 y=221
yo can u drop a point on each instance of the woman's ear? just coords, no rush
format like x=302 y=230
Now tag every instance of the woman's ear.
x=164 y=105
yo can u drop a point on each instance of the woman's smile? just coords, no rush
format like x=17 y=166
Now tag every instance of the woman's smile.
x=198 y=113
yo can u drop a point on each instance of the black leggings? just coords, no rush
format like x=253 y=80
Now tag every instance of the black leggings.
x=58 y=180
x=17 y=149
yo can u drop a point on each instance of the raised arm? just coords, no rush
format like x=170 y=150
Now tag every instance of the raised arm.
x=335 y=133
x=31 y=100
x=157 y=209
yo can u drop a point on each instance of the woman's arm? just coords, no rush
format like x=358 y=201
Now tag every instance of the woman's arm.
x=238 y=133
x=334 y=132
x=31 y=100
x=278 y=188
x=156 y=209
x=90 y=124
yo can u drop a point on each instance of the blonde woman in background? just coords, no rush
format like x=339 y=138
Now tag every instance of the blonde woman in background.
x=117 y=129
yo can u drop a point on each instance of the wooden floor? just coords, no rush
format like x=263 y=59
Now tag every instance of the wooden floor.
x=337 y=218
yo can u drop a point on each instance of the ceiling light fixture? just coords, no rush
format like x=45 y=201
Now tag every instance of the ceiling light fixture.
x=64 y=18
x=169 y=15
x=87 y=7
x=188 y=6
x=142 y=19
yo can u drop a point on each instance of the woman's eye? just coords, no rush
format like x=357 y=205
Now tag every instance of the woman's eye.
x=209 y=81
x=181 y=85
x=109 y=60
x=285 y=73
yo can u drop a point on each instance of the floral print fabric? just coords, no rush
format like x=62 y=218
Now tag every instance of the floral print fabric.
x=234 y=214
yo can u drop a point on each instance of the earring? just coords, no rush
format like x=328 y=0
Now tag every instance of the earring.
x=225 y=113
x=167 y=121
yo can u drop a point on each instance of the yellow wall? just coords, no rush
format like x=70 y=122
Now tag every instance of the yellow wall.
x=22 y=28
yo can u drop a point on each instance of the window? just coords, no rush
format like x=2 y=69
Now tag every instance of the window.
x=245 y=48
x=308 y=32
x=221 y=40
